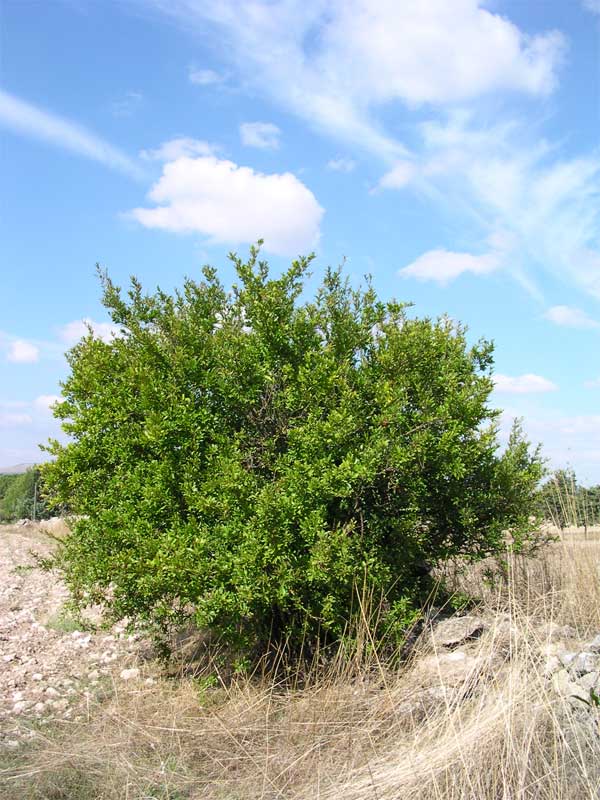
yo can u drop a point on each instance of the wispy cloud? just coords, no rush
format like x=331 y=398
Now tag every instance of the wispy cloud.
x=180 y=148
x=569 y=317
x=11 y=420
x=205 y=77
x=523 y=384
x=367 y=55
x=341 y=164
x=443 y=266
x=21 y=351
x=127 y=105
x=545 y=207
x=28 y=120
x=263 y=135
x=592 y=5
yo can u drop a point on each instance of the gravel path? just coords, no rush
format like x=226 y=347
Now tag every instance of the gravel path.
x=49 y=669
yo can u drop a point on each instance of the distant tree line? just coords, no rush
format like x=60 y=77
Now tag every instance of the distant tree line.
x=21 y=497
x=563 y=501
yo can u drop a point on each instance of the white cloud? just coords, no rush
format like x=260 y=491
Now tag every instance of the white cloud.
x=592 y=5
x=593 y=384
x=179 y=148
x=341 y=164
x=28 y=120
x=22 y=352
x=204 y=77
x=399 y=176
x=263 y=135
x=127 y=105
x=11 y=420
x=335 y=62
x=545 y=207
x=444 y=266
x=45 y=402
x=72 y=332
x=230 y=203
x=523 y=384
x=570 y=317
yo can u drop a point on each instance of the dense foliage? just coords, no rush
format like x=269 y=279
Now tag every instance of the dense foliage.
x=21 y=497
x=249 y=459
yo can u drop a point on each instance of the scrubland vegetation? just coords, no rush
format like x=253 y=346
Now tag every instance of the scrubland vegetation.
x=307 y=488
x=487 y=727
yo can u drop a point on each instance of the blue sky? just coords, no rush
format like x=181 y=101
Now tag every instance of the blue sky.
x=451 y=150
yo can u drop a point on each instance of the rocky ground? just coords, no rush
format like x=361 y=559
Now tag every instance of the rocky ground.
x=53 y=667
x=50 y=664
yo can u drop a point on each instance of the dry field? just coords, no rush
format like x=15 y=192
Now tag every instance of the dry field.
x=474 y=720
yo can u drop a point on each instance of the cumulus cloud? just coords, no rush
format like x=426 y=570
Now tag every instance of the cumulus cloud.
x=341 y=164
x=263 y=135
x=523 y=384
x=234 y=204
x=27 y=119
x=443 y=266
x=72 y=332
x=179 y=148
x=570 y=317
x=22 y=352
x=204 y=77
x=593 y=384
x=368 y=54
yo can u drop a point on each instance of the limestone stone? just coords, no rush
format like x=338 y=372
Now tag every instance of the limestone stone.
x=457 y=630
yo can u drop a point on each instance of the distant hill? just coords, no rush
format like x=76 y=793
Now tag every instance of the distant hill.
x=16 y=469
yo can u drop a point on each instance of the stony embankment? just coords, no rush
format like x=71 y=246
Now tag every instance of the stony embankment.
x=50 y=664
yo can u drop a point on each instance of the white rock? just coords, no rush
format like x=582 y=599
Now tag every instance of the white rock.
x=130 y=674
x=9 y=657
x=457 y=655
x=567 y=658
x=590 y=680
x=51 y=691
x=456 y=630
x=37 y=676
x=149 y=681
x=594 y=645
x=552 y=665
x=585 y=662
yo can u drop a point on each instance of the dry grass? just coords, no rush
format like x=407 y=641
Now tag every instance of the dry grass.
x=356 y=730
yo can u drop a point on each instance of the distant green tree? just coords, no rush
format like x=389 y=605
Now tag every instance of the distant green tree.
x=23 y=498
x=563 y=501
x=5 y=482
x=557 y=498
x=248 y=460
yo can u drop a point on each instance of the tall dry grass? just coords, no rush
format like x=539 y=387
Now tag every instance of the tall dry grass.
x=485 y=727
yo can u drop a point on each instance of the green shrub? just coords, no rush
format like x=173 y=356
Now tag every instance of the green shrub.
x=247 y=459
